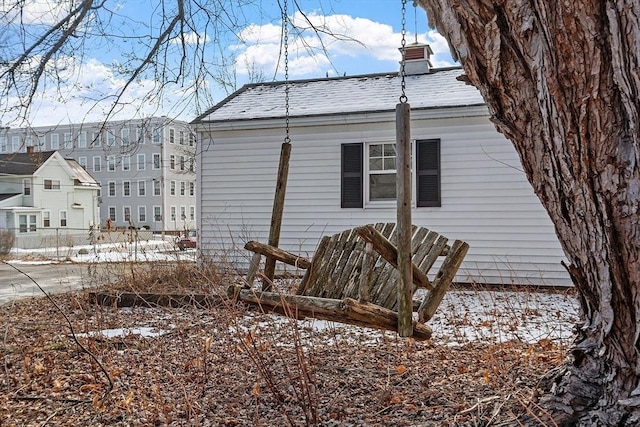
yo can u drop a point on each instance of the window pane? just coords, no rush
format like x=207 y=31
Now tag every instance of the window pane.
x=375 y=150
x=382 y=186
x=390 y=163
x=375 y=164
x=22 y=219
x=390 y=150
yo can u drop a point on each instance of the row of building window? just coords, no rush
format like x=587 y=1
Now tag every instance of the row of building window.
x=182 y=163
x=28 y=223
x=157 y=214
x=69 y=140
x=49 y=184
x=187 y=188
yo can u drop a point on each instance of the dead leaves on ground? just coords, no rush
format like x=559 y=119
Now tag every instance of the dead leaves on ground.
x=205 y=372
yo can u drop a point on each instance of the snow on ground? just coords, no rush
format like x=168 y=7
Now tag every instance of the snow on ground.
x=156 y=249
x=463 y=316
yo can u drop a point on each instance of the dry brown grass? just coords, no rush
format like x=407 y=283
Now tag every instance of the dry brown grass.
x=228 y=365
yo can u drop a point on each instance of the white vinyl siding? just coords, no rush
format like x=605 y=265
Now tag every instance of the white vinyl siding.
x=485 y=197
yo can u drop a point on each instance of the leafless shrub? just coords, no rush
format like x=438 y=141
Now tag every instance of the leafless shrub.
x=7 y=240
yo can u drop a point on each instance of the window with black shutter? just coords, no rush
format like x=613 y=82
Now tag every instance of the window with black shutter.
x=351 y=176
x=428 y=173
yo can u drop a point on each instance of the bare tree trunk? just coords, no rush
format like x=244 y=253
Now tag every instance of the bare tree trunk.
x=562 y=82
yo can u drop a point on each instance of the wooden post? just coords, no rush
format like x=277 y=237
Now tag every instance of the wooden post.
x=276 y=214
x=403 y=192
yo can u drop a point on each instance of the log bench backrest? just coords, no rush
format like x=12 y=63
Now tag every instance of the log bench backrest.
x=336 y=266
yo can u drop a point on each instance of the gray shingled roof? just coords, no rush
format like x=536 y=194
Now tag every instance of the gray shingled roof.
x=23 y=163
x=5 y=196
x=356 y=94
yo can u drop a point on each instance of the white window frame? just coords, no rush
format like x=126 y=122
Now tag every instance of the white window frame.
x=142 y=188
x=172 y=162
x=183 y=188
x=82 y=161
x=126 y=212
x=46 y=219
x=97 y=164
x=111 y=192
x=172 y=136
x=157 y=213
x=15 y=144
x=192 y=188
x=173 y=213
x=126 y=188
x=192 y=213
x=82 y=139
x=111 y=138
x=124 y=136
x=126 y=163
x=157 y=188
x=23 y=223
x=156 y=136
x=141 y=164
x=183 y=213
x=4 y=145
x=53 y=184
x=55 y=141
x=96 y=138
x=27 y=187
x=157 y=161
x=172 y=188
x=369 y=172
x=111 y=163
x=64 y=220
x=142 y=214
x=111 y=213
x=67 y=141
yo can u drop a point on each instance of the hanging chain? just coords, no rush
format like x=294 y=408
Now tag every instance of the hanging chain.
x=285 y=23
x=403 y=97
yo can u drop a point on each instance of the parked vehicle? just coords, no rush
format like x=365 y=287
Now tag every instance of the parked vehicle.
x=188 y=241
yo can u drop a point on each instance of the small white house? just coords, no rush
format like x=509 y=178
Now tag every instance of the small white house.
x=467 y=179
x=45 y=197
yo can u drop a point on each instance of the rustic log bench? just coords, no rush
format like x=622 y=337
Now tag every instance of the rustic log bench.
x=353 y=277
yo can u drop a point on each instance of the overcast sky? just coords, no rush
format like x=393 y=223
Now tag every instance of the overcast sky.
x=369 y=40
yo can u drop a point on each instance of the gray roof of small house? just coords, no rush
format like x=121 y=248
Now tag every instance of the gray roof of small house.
x=343 y=95
x=82 y=177
x=23 y=163
x=5 y=196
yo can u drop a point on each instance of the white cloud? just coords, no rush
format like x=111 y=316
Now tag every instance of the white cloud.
x=344 y=41
x=190 y=38
x=88 y=93
x=35 y=11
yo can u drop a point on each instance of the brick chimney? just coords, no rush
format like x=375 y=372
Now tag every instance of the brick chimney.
x=416 y=59
x=30 y=149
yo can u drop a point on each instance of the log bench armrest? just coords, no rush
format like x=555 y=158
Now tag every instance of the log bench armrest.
x=278 y=254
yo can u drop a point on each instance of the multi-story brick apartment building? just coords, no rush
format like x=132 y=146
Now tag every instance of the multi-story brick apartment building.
x=145 y=167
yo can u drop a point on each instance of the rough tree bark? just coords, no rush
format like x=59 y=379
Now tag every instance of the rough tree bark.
x=562 y=82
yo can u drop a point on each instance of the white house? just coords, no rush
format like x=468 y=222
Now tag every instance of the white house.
x=467 y=179
x=45 y=196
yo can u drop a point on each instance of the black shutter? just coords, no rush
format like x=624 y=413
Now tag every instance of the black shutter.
x=428 y=174
x=351 y=175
